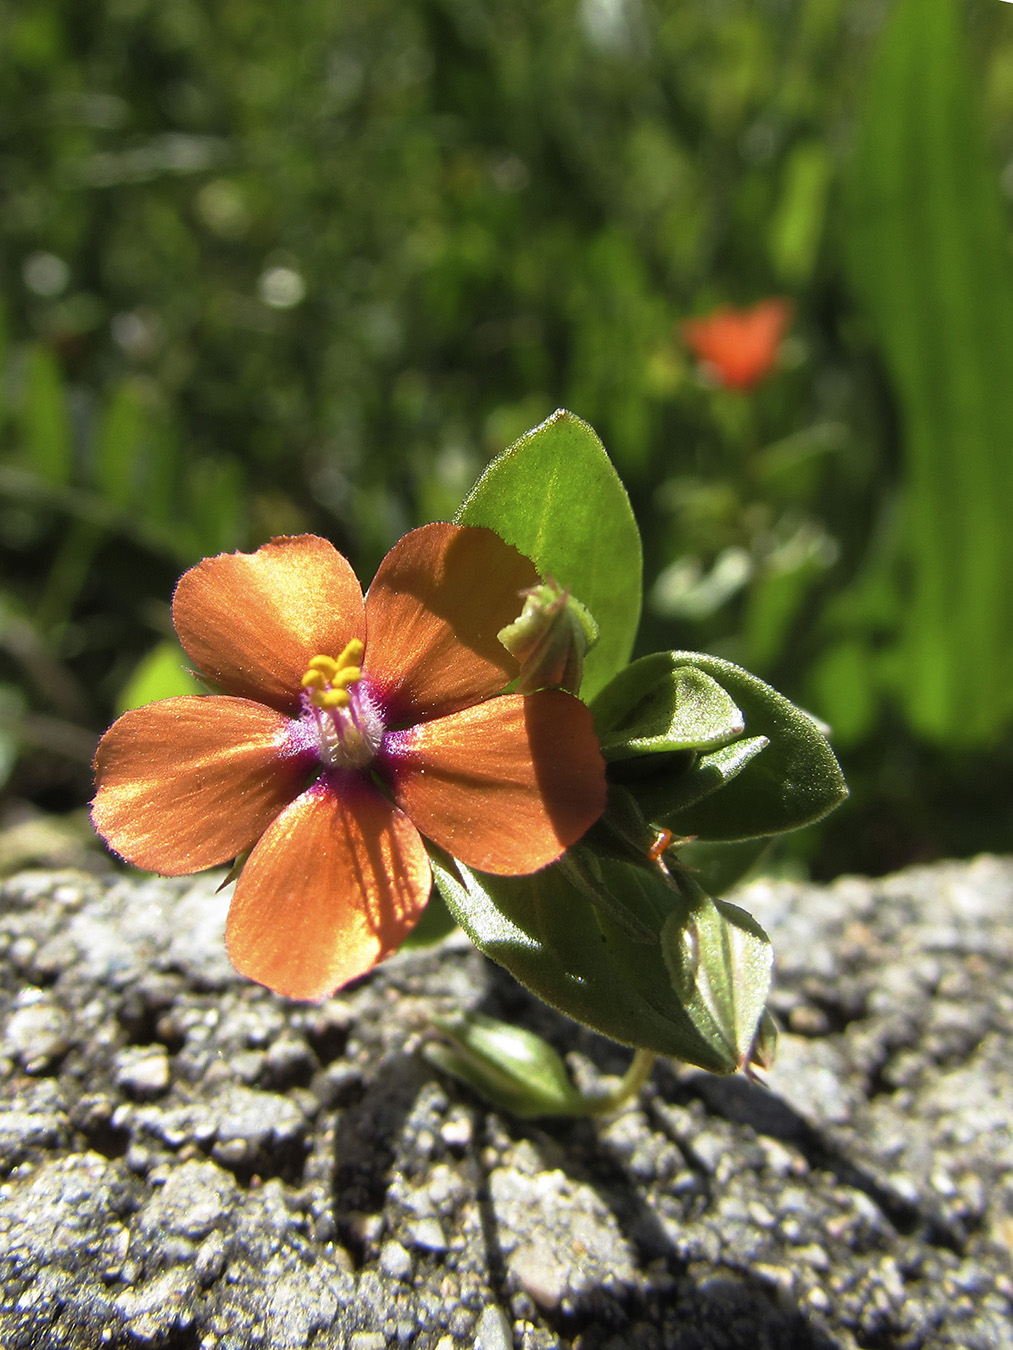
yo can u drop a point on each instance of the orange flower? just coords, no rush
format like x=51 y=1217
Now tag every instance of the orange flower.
x=346 y=728
x=740 y=346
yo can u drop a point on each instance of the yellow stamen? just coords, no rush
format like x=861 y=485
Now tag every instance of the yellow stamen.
x=352 y=654
x=327 y=666
x=331 y=698
x=327 y=679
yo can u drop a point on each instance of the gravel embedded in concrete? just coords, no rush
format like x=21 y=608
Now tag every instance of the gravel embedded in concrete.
x=189 y=1161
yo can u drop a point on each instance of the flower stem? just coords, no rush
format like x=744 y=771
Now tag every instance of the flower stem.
x=628 y=1086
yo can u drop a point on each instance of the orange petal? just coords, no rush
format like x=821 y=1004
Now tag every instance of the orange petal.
x=252 y=621
x=433 y=613
x=505 y=786
x=192 y=782
x=333 y=887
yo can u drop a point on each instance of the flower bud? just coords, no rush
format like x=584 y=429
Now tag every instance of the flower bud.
x=764 y=1047
x=512 y=1068
x=720 y=962
x=550 y=639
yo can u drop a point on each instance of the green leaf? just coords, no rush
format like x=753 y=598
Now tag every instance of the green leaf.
x=436 y=923
x=797 y=224
x=719 y=867
x=4 y=360
x=12 y=710
x=720 y=961
x=582 y=868
x=216 y=504
x=795 y=781
x=662 y=795
x=654 y=707
x=574 y=957
x=45 y=417
x=555 y=496
x=119 y=443
x=161 y=674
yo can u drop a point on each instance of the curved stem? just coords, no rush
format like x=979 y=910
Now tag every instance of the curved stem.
x=628 y=1086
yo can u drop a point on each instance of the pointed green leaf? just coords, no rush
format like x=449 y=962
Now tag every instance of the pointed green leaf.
x=574 y=957
x=655 y=706
x=663 y=796
x=555 y=496
x=119 y=444
x=720 y=961
x=795 y=781
x=717 y=867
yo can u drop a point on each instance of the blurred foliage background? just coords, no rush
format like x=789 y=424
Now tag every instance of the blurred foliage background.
x=274 y=268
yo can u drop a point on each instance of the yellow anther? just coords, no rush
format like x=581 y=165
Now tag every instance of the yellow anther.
x=352 y=654
x=327 y=666
x=327 y=679
x=331 y=698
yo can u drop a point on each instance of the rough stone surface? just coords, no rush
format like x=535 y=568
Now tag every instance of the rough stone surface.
x=188 y=1162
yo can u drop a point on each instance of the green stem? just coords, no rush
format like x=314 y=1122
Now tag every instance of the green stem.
x=628 y=1086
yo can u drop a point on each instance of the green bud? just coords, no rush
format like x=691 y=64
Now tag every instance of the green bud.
x=720 y=962
x=764 y=1050
x=512 y=1068
x=550 y=639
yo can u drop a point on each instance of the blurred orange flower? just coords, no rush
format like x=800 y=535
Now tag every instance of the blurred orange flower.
x=347 y=729
x=740 y=346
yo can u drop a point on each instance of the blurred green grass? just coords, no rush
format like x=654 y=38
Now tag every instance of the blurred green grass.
x=268 y=269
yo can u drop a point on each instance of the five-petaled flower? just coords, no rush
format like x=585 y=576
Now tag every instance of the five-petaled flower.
x=347 y=729
x=740 y=346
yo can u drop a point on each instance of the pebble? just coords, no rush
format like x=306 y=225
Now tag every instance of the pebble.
x=396 y=1261
x=558 y=1236
x=287 y=1061
x=210 y=1260
x=536 y=1269
x=161 y=1306
x=457 y=1132
x=427 y=1235
x=38 y=1034
x=493 y=1331
x=195 y=1198
x=143 y=1072
x=367 y=1340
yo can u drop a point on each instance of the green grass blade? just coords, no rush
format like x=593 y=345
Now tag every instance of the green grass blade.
x=929 y=260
